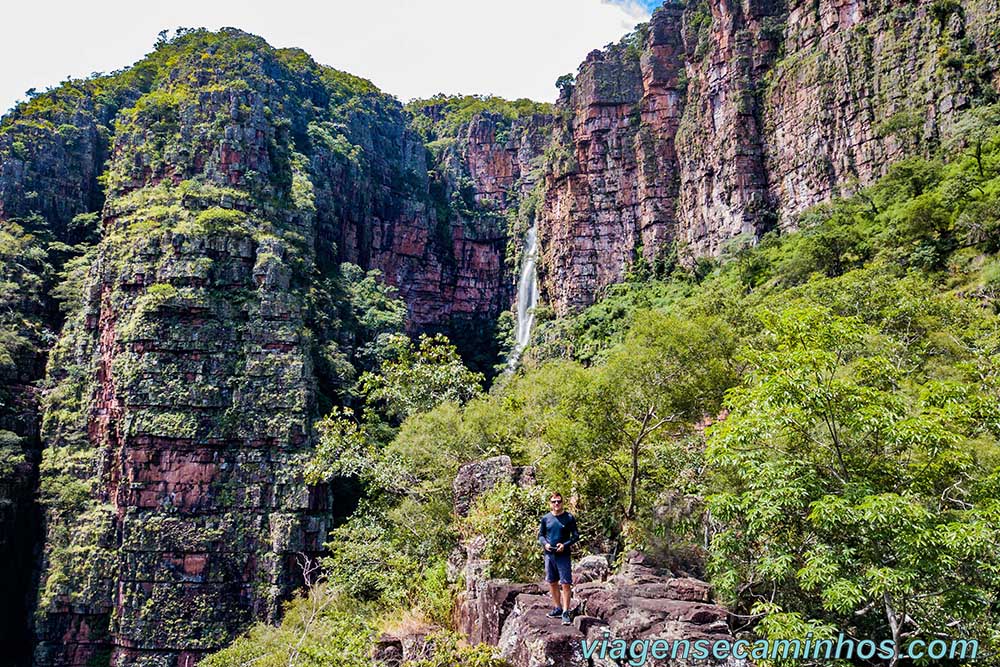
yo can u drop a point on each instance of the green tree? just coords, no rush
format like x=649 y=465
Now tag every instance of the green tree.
x=417 y=377
x=324 y=628
x=565 y=84
x=974 y=129
x=506 y=517
x=347 y=448
x=669 y=373
x=853 y=495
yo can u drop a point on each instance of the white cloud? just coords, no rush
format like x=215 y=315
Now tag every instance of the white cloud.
x=514 y=48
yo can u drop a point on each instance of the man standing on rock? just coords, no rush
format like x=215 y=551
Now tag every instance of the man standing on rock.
x=556 y=533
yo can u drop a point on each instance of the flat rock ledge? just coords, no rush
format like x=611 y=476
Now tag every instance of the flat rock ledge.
x=640 y=602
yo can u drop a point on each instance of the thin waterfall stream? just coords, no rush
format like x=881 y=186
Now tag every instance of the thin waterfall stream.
x=527 y=297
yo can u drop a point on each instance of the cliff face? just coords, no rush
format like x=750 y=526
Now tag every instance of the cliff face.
x=484 y=179
x=864 y=84
x=721 y=119
x=611 y=190
x=180 y=396
x=48 y=177
x=476 y=184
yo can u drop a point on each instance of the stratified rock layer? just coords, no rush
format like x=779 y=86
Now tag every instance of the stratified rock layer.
x=640 y=602
x=224 y=178
x=724 y=119
x=181 y=394
x=48 y=177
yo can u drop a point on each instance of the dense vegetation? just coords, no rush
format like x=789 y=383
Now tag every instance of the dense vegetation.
x=440 y=117
x=143 y=158
x=812 y=422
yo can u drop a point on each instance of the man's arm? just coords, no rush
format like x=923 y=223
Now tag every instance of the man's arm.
x=542 y=542
x=574 y=533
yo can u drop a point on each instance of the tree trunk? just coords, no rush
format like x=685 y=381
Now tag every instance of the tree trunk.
x=894 y=626
x=633 y=482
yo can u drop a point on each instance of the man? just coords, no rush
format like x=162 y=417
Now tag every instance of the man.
x=557 y=532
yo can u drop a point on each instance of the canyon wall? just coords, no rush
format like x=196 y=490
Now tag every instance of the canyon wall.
x=479 y=181
x=48 y=177
x=180 y=396
x=721 y=120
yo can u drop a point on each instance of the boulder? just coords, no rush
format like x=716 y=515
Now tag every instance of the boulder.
x=480 y=476
x=481 y=615
x=388 y=651
x=591 y=568
x=640 y=602
x=393 y=649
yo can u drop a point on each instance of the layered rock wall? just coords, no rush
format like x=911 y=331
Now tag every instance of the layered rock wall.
x=445 y=265
x=612 y=184
x=725 y=119
x=225 y=179
x=483 y=189
x=48 y=176
x=181 y=394
x=182 y=390
x=863 y=84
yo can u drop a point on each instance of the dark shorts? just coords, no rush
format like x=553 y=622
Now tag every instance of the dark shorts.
x=558 y=567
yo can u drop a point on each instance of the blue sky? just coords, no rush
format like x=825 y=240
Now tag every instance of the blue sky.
x=514 y=48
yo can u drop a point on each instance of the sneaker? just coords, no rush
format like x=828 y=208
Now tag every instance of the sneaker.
x=555 y=613
x=566 y=618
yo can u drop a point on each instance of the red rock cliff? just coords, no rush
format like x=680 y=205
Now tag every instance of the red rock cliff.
x=722 y=119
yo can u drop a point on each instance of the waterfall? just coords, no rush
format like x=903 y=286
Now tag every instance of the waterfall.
x=527 y=297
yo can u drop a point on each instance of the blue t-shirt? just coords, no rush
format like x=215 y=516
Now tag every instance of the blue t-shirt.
x=554 y=529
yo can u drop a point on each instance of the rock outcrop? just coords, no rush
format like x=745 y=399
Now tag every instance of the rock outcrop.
x=483 y=605
x=394 y=650
x=181 y=394
x=640 y=602
x=220 y=183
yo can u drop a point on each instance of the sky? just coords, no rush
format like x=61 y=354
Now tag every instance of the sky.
x=410 y=48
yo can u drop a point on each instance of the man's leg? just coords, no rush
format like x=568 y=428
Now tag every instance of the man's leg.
x=565 y=566
x=554 y=589
x=552 y=576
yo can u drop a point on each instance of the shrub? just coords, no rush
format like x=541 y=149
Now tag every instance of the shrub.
x=451 y=650
x=325 y=628
x=507 y=517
